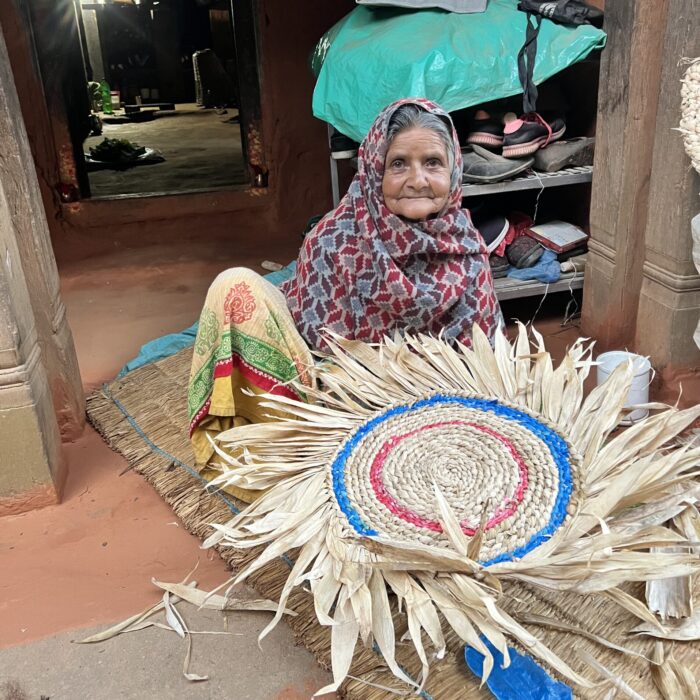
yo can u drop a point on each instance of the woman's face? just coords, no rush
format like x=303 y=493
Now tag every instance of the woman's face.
x=416 y=181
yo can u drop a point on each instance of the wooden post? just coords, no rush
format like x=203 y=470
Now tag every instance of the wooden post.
x=669 y=304
x=30 y=453
x=59 y=52
x=627 y=107
x=26 y=227
x=245 y=26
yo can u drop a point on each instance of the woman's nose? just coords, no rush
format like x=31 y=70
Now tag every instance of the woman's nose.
x=417 y=177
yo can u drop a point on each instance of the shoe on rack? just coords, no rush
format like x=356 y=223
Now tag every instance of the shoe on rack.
x=343 y=147
x=524 y=252
x=493 y=230
x=565 y=154
x=522 y=137
x=482 y=166
x=485 y=130
x=499 y=266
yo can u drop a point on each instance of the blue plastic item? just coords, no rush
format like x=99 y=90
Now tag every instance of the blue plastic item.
x=374 y=56
x=168 y=345
x=547 y=269
x=522 y=680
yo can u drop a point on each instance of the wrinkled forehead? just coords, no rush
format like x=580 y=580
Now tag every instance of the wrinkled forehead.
x=420 y=140
x=376 y=144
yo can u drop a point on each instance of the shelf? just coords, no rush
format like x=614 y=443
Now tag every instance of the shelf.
x=509 y=288
x=532 y=181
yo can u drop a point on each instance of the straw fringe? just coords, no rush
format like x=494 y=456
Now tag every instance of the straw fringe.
x=586 y=555
x=152 y=394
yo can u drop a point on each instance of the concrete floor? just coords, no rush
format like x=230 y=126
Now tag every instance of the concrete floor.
x=202 y=150
x=87 y=563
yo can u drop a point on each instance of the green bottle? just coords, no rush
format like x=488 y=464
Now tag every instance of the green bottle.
x=106 y=97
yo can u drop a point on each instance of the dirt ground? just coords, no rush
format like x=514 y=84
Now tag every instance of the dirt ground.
x=202 y=150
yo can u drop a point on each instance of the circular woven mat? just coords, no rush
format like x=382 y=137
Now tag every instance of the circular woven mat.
x=492 y=462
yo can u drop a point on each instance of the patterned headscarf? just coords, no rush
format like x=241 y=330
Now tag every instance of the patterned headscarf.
x=364 y=272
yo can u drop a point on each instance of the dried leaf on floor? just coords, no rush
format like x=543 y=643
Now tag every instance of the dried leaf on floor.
x=673 y=680
x=684 y=630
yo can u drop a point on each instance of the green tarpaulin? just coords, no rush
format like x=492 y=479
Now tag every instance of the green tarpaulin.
x=374 y=56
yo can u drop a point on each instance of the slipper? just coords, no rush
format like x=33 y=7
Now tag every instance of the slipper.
x=565 y=154
x=480 y=165
x=524 y=252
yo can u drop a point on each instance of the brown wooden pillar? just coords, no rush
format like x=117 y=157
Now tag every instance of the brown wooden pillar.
x=39 y=379
x=627 y=106
x=29 y=229
x=669 y=303
x=31 y=472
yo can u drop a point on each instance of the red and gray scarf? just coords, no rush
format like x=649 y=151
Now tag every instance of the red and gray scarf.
x=364 y=272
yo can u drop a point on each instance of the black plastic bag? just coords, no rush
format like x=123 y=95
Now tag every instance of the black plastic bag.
x=571 y=12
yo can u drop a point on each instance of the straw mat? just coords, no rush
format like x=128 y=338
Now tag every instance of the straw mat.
x=144 y=417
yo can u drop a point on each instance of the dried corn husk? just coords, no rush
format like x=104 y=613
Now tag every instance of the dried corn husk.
x=673 y=597
x=673 y=680
x=684 y=630
x=629 y=481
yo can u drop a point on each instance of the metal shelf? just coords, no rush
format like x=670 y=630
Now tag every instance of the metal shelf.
x=509 y=288
x=531 y=181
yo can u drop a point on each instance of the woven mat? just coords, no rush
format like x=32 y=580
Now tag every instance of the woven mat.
x=144 y=417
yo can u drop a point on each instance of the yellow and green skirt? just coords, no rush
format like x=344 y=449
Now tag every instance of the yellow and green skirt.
x=247 y=345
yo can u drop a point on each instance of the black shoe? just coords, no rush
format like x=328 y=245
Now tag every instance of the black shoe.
x=493 y=230
x=343 y=147
x=485 y=131
x=499 y=266
x=522 y=137
x=481 y=165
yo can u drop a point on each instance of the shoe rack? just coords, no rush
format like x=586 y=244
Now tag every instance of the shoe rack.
x=532 y=181
x=508 y=288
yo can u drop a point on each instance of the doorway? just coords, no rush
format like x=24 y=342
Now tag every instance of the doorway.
x=150 y=92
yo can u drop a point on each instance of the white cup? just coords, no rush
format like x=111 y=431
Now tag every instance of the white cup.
x=639 y=390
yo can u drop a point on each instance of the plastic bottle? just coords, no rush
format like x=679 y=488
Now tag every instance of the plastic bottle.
x=106 y=97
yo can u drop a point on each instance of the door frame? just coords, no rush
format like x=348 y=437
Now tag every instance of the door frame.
x=59 y=56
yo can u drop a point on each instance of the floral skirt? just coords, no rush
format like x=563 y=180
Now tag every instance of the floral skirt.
x=247 y=345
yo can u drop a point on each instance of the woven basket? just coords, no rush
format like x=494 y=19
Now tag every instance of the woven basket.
x=500 y=468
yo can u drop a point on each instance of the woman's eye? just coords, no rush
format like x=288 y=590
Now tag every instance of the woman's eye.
x=434 y=163
x=397 y=163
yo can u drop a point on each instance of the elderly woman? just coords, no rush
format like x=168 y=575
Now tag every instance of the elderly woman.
x=398 y=254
